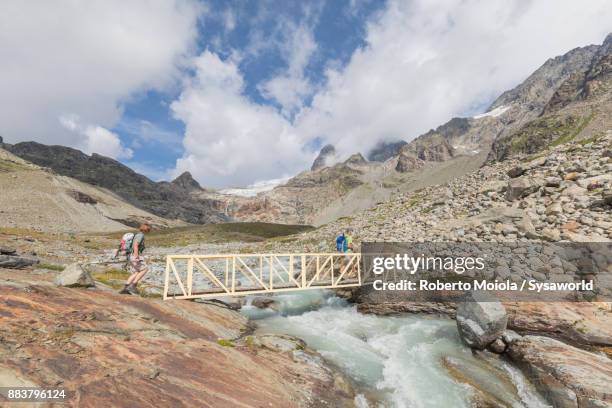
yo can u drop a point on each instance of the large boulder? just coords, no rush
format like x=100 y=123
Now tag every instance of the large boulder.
x=75 y=276
x=8 y=251
x=481 y=319
x=519 y=188
x=262 y=302
x=16 y=262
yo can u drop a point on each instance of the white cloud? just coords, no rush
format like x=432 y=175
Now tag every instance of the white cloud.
x=96 y=139
x=87 y=58
x=230 y=140
x=428 y=60
x=229 y=20
x=291 y=87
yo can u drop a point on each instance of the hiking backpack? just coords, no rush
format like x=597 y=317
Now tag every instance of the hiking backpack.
x=125 y=246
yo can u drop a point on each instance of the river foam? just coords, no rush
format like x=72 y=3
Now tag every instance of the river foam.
x=399 y=360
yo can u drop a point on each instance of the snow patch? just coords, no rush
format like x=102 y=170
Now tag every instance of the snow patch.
x=255 y=188
x=493 y=113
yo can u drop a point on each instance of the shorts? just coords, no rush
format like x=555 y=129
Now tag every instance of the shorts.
x=137 y=265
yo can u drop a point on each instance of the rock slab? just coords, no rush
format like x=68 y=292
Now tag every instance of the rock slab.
x=75 y=276
x=568 y=376
x=16 y=262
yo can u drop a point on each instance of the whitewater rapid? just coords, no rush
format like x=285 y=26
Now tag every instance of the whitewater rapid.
x=398 y=360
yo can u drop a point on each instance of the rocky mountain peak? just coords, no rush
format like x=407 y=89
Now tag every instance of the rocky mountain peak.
x=187 y=182
x=324 y=158
x=385 y=150
x=356 y=158
x=608 y=41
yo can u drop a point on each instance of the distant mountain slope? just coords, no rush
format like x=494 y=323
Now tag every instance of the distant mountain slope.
x=168 y=200
x=34 y=198
x=578 y=107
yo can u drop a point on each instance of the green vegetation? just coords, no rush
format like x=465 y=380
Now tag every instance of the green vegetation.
x=571 y=133
x=219 y=233
x=225 y=343
x=115 y=278
x=591 y=139
x=51 y=267
x=541 y=133
x=250 y=342
x=414 y=200
x=427 y=210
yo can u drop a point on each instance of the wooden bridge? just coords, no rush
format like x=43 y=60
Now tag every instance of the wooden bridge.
x=209 y=276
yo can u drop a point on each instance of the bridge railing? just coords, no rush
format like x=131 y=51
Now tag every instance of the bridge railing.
x=206 y=276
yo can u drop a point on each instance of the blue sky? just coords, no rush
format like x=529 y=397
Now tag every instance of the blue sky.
x=240 y=91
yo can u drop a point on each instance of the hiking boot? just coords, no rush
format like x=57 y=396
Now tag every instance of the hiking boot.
x=132 y=290
x=125 y=290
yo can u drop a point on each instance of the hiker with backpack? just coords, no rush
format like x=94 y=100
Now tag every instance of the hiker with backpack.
x=132 y=246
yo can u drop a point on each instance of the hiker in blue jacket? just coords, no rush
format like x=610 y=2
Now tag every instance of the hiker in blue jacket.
x=340 y=242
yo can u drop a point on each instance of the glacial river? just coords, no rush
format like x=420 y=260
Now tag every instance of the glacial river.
x=395 y=361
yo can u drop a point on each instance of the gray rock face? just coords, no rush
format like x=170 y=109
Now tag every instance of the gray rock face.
x=481 y=320
x=430 y=147
x=385 y=150
x=75 y=276
x=16 y=262
x=7 y=251
x=325 y=155
x=187 y=182
x=406 y=163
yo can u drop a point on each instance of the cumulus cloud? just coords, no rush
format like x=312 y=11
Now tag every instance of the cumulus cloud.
x=230 y=140
x=429 y=60
x=87 y=58
x=289 y=88
x=96 y=139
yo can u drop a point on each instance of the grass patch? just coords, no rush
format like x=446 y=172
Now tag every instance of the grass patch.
x=115 y=278
x=7 y=166
x=541 y=133
x=24 y=232
x=250 y=342
x=413 y=201
x=591 y=139
x=571 y=133
x=225 y=343
x=219 y=233
x=51 y=267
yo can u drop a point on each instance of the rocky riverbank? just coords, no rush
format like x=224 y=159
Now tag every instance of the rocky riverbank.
x=566 y=375
x=113 y=350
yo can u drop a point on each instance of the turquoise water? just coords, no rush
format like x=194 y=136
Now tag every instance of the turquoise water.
x=398 y=360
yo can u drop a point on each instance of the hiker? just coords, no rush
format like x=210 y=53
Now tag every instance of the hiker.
x=348 y=248
x=348 y=239
x=340 y=241
x=133 y=246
